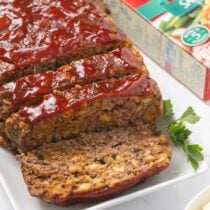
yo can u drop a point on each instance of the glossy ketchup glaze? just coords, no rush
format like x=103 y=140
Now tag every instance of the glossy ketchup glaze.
x=35 y=30
x=118 y=62
x=52 y=104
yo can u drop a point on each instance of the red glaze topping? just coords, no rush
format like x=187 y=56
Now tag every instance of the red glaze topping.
x=33 y=30
x=52 y=104
x=119 y=61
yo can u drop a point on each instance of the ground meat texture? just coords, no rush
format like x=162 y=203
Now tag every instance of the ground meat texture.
x=98 y=106
x=94 y=166
x=86 y=130
x=31 y=89
x=52 y=33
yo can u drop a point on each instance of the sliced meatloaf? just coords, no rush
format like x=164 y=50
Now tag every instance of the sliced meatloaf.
x=31 y=89
x=37 y=35
x=93 y=107
x=94 y=165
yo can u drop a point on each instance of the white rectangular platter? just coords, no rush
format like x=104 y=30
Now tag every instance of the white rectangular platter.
x=12 y=181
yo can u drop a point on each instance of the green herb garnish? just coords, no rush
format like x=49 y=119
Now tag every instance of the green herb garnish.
x=189 y=116
x=168 y=108
x=179 y=133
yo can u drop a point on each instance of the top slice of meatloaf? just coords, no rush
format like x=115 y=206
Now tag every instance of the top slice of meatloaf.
x=31 y=89
x=97 y=106
x=37 y=35
x=94 y=165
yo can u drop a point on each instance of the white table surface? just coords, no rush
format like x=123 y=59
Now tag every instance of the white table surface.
x=173 y=197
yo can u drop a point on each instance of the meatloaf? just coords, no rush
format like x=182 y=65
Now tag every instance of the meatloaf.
x=94 y=165
x=37 y=35
x=31 y=89
x=97 y=106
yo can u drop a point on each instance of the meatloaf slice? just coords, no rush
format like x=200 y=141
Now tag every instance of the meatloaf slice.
x=37 y=35
x=93 y=107
x=31 y=89
x=94 y=165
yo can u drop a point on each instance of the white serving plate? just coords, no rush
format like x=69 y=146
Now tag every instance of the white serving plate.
x=179 y=169
x=199 y=200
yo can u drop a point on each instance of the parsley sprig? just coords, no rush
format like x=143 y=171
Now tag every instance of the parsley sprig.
x=179 y=133
x=168 y=108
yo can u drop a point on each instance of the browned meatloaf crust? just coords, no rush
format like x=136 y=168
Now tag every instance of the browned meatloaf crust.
x=96 y=106
x=31 y=89
x=94 y=166
x=37 y=35
x=86 y=130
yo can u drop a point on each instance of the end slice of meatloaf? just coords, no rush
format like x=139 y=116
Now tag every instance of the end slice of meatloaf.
x=93 y=107
x=51 y=33
x=31 y=89
x=94 y=166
